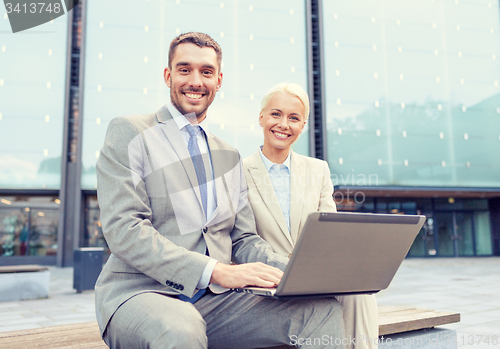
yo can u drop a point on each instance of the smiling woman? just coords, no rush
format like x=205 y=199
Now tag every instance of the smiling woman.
x=285 y=187
x=282 y=117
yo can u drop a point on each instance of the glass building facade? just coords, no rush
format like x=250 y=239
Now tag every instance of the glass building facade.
x=411 y=95
x=413 y=99
x=127 y=54
x=28 y=226
x=32 y=99
x=32 y=90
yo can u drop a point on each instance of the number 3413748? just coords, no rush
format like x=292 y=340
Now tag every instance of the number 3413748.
x=33 y=7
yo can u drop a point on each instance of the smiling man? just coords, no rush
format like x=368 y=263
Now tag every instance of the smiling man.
x=174 y=212
x=193 y=76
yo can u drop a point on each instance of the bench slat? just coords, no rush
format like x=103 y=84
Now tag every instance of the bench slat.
x=85 y=335
x=397 y=319
x=22 y=268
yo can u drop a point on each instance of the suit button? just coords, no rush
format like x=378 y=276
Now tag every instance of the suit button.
x=181 y=287
x=169 y=283
x=176 y=286
x=205 y=229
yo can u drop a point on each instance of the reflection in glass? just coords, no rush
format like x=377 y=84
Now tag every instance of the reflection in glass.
x=445 y=236
x=424 y=242
x=484 y=245
x=454 y=230
x=28 y=226
x=430 y=236
x=412 y=91
x=418 y=247
x=263 y=43
x=32 y=87
x=464 y=233
x=93 y=230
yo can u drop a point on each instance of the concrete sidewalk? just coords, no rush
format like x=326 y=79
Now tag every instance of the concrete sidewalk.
x=470 y=286
x=64 y=306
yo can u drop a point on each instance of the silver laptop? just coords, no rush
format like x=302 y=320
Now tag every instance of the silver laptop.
x=345 y=253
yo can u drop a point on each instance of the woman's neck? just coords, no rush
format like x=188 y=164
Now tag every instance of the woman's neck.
x=278 y=156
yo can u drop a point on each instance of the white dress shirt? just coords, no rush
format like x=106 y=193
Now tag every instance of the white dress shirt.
x=280 y=178
x=181 y=122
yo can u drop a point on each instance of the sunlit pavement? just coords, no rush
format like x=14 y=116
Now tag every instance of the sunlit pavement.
x=470 y=286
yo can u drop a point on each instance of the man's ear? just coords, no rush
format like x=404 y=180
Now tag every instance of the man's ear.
x=166 y=76
x=219 y=82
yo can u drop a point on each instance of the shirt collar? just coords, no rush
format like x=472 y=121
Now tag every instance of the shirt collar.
x=181 y=120
x=268 y=163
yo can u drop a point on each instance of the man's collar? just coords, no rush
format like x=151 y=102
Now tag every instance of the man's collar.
x=181 y=120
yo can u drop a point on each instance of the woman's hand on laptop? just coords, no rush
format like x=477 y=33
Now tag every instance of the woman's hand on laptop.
x=248 y=274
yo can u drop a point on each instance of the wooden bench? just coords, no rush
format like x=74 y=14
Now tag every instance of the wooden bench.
x=393 y=320
x=20 y=282
x=86 y=335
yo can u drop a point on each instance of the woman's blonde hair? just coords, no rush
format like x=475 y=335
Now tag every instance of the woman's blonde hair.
x=291 y=88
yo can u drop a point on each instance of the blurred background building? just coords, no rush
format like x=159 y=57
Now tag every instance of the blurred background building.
x=405 y=96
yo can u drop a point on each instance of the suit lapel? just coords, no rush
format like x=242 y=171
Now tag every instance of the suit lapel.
x=297 y=191
x=263 y=183
x=174 y=137
x=213 y=148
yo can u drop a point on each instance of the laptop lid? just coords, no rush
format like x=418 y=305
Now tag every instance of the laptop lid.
x=348 y=253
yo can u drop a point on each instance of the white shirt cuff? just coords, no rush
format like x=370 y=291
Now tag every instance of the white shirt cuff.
x=207 y=274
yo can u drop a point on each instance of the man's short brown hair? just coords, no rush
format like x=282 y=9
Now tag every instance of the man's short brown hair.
x=199 y=39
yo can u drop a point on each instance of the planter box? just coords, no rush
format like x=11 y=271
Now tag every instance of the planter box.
x=23 y=282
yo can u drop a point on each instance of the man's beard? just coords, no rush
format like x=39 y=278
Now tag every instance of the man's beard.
x=178 y=106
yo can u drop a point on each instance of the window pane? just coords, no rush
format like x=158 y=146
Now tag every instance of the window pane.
x=126 y=54
x=413 y=91
x=32 y=85
x=418 y=247
x=463 y=226
x=28 y=226
x=93 y=229
x=445 y=235
x=483 y=234
x=460 y=204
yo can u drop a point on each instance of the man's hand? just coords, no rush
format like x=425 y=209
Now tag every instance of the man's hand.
x=248 y=274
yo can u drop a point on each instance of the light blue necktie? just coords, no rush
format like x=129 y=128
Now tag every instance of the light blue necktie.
x=199 y=167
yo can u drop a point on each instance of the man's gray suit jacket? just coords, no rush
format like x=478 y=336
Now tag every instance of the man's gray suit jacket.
x=152 y=217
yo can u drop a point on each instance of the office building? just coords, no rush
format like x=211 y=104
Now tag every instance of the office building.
x=405 y=108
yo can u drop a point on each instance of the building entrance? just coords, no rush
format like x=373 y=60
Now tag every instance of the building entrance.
x=454 y=227
x=454 y=234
